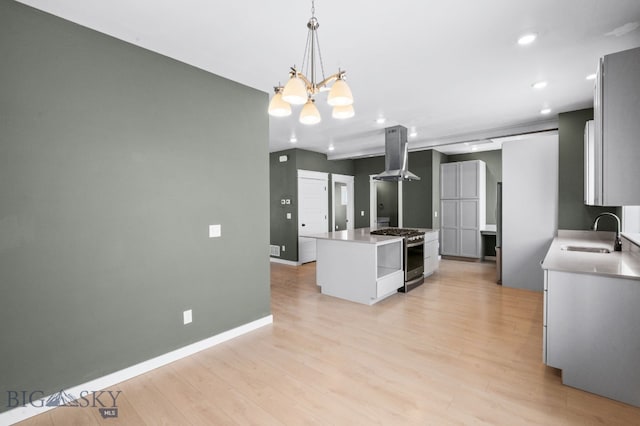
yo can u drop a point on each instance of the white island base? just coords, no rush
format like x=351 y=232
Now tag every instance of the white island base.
x=359 y=267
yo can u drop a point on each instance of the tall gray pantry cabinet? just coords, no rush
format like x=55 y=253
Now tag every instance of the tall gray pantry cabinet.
x=462 y=207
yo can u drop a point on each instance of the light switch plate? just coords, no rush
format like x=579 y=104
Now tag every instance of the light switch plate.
x=187 y=317
x=215 y=231
x=288 y=215
x=361 y=212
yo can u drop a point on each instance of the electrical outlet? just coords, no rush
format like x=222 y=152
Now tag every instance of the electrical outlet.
x=288 y=201
x=283 y=201
x=435 y=213
x=283 y=248
x=187 y=317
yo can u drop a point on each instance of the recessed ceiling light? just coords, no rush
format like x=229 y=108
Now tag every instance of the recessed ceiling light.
x=474 y=148
x=545 y=111
x=293 y=139
x=539 y=85
x=331 y=147
x=413 y=133
x=381 y=120
x=527 y=39
x=591 y=77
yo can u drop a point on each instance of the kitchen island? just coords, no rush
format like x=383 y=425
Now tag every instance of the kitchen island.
x=360 y=267
x=591 y=320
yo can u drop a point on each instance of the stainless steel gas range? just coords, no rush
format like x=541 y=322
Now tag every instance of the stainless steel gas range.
x=413 y=246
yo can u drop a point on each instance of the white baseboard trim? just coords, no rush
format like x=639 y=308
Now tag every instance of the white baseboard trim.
x=285 y=262
x=24 y=412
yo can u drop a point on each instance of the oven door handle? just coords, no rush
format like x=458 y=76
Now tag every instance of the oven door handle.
x=415 y=244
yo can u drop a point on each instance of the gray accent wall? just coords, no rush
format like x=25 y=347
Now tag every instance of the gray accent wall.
x=284 y=185
x=572 y=212
x=417 y=195
x=493 y=161
x=437 y=158
x=114 y=161
x=364 y=167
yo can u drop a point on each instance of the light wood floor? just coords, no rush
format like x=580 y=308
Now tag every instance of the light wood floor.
x=457 y=350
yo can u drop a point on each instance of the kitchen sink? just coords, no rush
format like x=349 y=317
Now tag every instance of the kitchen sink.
x=586 y=249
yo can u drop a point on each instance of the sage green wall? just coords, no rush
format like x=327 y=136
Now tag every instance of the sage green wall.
x=113 y=163
x=493 y=160
x=417 y=195
x=317 y=162
x=284 y=184
x=364 y=167
x=437 y=159
x=572 y=212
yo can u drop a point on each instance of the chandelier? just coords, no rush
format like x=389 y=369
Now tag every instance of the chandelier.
x=302 y=86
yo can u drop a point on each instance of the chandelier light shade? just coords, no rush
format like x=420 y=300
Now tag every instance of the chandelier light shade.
x=278 y=107
x=310 y=113
x=302 y=87
x=343 y=111
x=295 y=91
x=340 y=94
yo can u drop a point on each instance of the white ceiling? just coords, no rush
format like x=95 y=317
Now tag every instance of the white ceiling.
x=451 y=69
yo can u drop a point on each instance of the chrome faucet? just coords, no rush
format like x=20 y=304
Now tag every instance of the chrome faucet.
x=617 y=245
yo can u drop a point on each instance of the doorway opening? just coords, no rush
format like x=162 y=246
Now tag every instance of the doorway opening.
x=342 y=202
x=385 y=203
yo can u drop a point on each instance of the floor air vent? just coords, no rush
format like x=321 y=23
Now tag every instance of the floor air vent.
x=275 y=251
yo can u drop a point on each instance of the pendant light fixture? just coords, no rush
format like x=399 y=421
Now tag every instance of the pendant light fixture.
x=302 y=86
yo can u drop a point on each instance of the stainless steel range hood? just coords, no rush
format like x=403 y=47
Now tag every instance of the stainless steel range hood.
x=396 y=158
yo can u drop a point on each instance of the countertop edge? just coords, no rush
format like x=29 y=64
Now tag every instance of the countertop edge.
x=624 y=264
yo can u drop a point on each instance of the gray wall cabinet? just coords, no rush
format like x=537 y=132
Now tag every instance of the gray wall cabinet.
x=616 y=147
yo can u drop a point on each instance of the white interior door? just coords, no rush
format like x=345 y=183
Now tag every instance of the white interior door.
x=313 y=212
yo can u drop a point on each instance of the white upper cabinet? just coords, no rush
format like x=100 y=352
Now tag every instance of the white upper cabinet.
x=615 y=150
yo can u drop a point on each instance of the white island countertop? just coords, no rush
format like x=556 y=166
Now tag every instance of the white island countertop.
x=621 y=264
x=361 y=235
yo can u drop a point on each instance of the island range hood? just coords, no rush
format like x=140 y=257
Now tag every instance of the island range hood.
x=396 y=155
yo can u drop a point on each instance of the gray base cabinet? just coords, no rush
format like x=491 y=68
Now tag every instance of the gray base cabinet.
x=592 y=333
x=431 y=250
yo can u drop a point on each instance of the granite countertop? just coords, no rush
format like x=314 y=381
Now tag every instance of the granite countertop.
x=622 y=264
x=360 y=235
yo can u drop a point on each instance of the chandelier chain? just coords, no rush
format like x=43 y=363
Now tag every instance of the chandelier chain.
x=320 y=56
x=304 y=62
